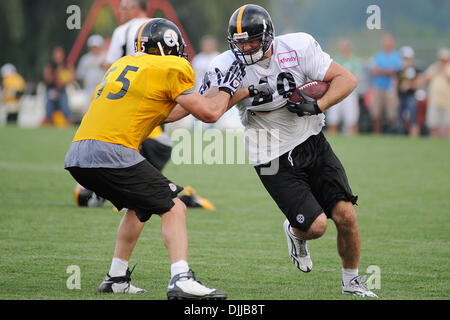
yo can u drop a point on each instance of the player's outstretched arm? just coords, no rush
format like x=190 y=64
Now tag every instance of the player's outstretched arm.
x=342 y=83
x=237 y=97
x=177 y=113
x=208 y=110
x=211 y=107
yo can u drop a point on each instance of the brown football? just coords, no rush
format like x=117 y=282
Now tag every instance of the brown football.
x=312 y=89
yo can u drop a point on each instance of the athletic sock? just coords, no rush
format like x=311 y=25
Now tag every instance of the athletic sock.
x=348 y=274
x=118 y=268
x=178 y=267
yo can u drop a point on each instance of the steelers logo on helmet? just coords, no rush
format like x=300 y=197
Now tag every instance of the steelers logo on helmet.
x=159 y=36
x=170 y=38
x=250 y=33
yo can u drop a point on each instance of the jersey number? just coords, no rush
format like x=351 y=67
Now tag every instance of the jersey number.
x=125 y=83
x=282 y=79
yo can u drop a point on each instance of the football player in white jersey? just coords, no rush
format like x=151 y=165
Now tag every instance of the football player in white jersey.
x=292 y=157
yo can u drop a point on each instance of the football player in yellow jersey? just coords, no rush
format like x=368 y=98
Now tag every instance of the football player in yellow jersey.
x=157 y=148
x=137 y=94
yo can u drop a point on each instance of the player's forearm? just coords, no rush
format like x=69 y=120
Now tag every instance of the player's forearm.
x=206 y=109
x=340 y=87
x=239 y=95
x=177 y=113
x=342 y=83
x=220 y=105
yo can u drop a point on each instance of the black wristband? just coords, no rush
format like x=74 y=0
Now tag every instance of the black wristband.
x=227 y=90
x=317 y=109
x=252 y=91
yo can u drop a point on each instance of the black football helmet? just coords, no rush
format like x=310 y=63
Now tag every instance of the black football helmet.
x=160 y=36
x=248 y=23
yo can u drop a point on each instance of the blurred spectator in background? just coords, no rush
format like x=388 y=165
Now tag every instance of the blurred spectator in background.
x=438 y=112
x=133 y=14
x=90 y=71
x=346 y=111
x=57 y=75
x=200 y=63
x=385 y=65
x=408 y=81
x=13 y=86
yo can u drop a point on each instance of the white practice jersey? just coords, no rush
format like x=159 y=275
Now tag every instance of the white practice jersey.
x=270 y=129
x=122 y=41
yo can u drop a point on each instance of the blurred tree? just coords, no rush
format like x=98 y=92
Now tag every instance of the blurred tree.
x=31 y=28
x=105 y=22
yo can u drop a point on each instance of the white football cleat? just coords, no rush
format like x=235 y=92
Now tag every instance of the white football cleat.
x=119 y=285
x=183 y=286
x=298 y=250
x=356 y=287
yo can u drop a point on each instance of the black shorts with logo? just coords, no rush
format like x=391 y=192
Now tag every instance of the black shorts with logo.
x=310 y=180
x=141 y=187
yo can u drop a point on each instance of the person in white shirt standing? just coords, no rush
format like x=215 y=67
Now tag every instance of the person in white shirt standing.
x=89 y=70
x=200 y=63
x=134 y=12
x=284 y=140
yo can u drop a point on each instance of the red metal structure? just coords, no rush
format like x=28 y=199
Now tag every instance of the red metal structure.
x=153 y=5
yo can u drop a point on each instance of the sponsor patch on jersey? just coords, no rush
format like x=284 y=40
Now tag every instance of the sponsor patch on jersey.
x=300 y=218
x=288 y=60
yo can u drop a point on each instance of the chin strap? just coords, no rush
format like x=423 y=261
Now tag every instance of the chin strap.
x=161 y=48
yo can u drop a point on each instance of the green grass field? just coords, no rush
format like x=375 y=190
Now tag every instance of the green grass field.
x=403 y=213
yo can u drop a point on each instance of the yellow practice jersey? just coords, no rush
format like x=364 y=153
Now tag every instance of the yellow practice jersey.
x=155 y=133
x=136 y=95
x=12 y=84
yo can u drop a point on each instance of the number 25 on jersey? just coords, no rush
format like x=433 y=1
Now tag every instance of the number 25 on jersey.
x=122 y=78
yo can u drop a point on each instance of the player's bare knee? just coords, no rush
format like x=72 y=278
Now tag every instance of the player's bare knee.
x=344 y=214
x=318 y=227
x=179 y=206
x=179 y=210
x=316 y=230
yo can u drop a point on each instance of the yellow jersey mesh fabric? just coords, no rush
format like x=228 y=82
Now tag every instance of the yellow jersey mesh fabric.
x=136 y=95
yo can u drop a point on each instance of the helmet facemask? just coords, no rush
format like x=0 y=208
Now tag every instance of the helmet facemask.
x=254 y=54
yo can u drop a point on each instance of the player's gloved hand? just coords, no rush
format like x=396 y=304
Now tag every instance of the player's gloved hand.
x=306 y=107
x=260 y=90
x=232 y=78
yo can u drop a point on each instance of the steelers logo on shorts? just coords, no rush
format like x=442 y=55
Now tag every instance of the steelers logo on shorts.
x=300 y=218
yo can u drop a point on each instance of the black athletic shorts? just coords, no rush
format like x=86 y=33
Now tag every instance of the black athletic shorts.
x=141 y=187
x=310 y=180
x=156 y=153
